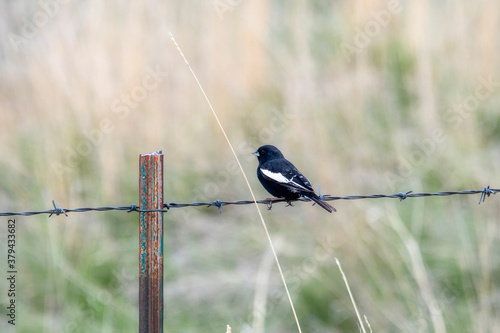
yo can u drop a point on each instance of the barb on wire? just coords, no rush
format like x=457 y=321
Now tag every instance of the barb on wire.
x=485 y=192
x=57 y=209
x=218 y=204
x=403 y=195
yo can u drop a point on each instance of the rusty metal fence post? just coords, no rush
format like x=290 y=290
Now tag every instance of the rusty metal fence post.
x=151 y=243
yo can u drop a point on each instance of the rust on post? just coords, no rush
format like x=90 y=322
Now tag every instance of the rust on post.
x=151 y=243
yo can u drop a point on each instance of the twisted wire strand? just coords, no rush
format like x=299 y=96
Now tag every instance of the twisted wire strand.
x=485 y=192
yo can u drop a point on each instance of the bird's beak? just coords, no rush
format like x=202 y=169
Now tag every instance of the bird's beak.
x=256 y=153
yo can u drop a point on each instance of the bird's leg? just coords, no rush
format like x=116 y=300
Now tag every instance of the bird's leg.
x=270 y=203
x=271 y=200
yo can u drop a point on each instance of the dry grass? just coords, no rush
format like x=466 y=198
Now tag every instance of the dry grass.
x=385 y=121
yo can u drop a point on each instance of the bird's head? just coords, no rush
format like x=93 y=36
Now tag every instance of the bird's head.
x=267 y=152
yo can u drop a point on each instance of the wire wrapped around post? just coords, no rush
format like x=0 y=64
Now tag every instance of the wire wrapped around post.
x=151 y=243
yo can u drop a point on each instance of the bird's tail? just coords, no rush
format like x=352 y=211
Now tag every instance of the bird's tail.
x=321 y=202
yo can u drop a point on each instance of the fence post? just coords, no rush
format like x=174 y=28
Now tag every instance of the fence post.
x=151 y=243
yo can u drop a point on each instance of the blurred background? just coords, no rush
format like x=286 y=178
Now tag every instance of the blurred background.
x=364 y=97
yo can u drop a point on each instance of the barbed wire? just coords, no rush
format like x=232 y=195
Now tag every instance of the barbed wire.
x=485 y=192
x=58 y=210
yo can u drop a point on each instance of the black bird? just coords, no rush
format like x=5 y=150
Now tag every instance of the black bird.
x=282 y=179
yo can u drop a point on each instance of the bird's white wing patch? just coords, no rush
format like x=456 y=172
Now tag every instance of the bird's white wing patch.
x=276 y=176
x=280 y=178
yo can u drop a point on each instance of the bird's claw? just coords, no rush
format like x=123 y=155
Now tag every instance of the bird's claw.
x=270 y=203
x=271 y=200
